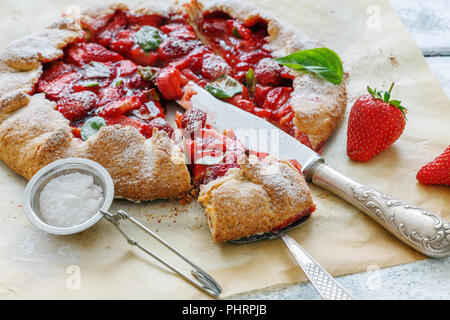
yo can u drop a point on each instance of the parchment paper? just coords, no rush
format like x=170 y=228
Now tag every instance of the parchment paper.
x=37 y=265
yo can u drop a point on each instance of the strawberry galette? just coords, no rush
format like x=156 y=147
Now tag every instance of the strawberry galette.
x=96 y=86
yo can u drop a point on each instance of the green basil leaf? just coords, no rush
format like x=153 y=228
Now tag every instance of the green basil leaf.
x=209 y=160
x=148 y=73
x=88 y=84
x=322 y=61
x=250 y=81
x=236 y=33
x=91 y=127
x=118 y=82
x=148 y=38
x=224 y=87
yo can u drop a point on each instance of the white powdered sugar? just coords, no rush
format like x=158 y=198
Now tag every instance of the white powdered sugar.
x=215 y=66
x=70 y=200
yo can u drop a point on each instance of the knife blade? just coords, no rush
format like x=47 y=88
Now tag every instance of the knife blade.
x=422 y=230
x=255 y=133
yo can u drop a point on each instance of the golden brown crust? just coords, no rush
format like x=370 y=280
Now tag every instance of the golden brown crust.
x=37 y=135
x=249 y=200
x=318 y=104
x=141 y=169
x=33 y=134
x=255 y=198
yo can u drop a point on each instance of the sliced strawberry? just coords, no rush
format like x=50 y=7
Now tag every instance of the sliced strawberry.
x=268 y=72
x=303 y=138
x=262 y=113
x=126 y=68
x=162 y=125
x=296 y=164
x=214 y=66
x=191 y=121
x=277 y=97
x=169 y=82
x=142 y=58
x=76 y=132
x=154 y=109
x=58 y=87
x=281 y=112
x=214 y=26
x=55 y=69
x=144 y=128
x=118 y=22
x=286 y=122
x=83 y=53
x=174 y=47
x=94 y=24
x=123 y=42
x=183 y=31
x=145 y=20
x=254 y=56
x=150 y=110
x=237 y=30
x=136 y=82
x=76 y=106
x=86 y=85
x=120 y=107
x=261 y=94
x=109 y=94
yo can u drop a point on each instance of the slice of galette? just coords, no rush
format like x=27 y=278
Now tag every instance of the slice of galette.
x=243 y=192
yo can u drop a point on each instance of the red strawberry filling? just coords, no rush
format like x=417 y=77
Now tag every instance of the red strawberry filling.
x=108 y=66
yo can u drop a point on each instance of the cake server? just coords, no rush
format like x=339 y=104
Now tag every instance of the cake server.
x=422 y=230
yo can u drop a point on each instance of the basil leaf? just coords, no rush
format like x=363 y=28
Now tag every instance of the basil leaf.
x=322 y=61
x=88 y=84
x=91 y=127
x=250 y=81
x=236 y=33
x=209 y=160
x=148 y=38
x=148 y=73
x=224 y=87
x=119 y=82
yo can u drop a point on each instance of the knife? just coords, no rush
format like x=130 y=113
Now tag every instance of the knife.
x=420 y=229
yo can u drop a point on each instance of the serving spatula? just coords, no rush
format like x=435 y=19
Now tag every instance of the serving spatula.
x=420 y=229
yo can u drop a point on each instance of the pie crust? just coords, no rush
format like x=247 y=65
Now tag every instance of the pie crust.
x=33 y=134
x=317 y=103
x=255 y=198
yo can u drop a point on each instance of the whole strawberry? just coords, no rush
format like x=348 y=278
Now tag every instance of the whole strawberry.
x=437 y=171
x=375 y=123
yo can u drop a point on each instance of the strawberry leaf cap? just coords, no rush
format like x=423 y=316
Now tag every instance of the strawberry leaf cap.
x=386 y=96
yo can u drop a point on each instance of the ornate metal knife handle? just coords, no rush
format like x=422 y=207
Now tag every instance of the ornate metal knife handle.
x=422 y=230
x=325 y=284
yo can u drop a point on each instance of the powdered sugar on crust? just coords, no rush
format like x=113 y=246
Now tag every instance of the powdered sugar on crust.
x=33 y=134
x=37 y=135
x=318 y=104
x=26 y=53
x=141 y=169
x=254 y=198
